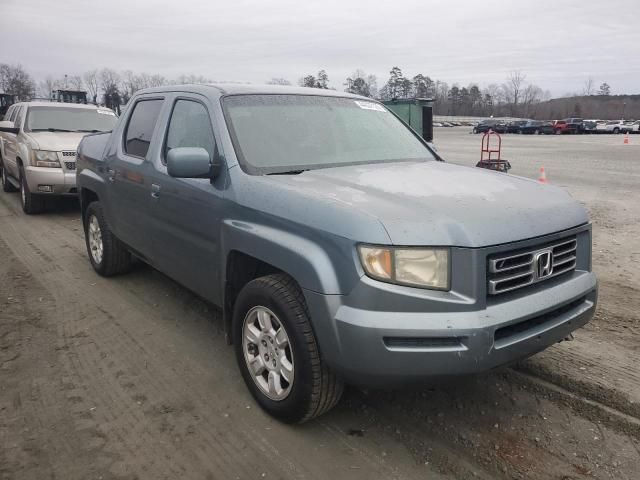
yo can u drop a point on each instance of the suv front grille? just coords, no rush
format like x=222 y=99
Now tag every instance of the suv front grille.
x=515 y=270
x=70 y=165
x=69 y=154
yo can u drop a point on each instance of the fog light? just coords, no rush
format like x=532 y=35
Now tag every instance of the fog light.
x=45 y=188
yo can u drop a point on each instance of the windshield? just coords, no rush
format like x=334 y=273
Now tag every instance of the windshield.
x=61 y=119
x=289 y=133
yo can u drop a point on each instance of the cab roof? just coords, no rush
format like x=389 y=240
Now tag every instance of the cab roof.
x=222 y=89
x=60 y=105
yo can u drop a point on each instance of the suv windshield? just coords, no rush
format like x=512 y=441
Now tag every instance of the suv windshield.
x=63 y=119
x=291 y=133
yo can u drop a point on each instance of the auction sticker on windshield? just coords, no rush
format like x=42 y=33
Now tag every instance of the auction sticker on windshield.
x=370 y=106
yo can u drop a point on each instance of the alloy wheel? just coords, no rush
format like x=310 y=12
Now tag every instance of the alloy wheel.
x=267 y=353
x=94 y=234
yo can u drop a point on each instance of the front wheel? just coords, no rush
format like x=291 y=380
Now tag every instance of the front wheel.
x=31 y=203
x=107 y=254
x=616 y=131
x=277 y=351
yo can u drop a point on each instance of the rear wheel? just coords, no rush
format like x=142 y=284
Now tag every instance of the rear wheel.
x=616 y=130
x=277 y=351
x=31 y=203
x=107 y=254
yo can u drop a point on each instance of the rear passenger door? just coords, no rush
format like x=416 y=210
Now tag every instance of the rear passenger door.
x=129 y=173
x=187 y=212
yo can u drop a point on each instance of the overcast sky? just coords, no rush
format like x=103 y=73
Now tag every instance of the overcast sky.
x=558 y=44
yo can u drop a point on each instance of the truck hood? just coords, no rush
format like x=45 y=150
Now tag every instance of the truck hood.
x=56 y=141
x=436 y=203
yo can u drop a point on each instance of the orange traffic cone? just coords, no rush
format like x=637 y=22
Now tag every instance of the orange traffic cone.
x=543 y=176
x=626 y=138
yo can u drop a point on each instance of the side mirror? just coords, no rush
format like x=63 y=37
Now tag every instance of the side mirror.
x=189 y=162
x=7 y=127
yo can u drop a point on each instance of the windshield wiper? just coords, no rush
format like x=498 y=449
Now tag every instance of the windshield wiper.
x=288 y=172
x=50 y=130
x=89 y=131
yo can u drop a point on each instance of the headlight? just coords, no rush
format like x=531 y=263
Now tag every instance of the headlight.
x=45 y=158
x=414 y=267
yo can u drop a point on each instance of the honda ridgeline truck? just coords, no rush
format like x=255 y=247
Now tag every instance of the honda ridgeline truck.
x=337 y=244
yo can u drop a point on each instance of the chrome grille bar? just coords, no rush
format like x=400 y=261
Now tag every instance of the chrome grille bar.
x=510 y=271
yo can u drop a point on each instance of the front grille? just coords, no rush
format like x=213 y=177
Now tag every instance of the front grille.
x=68 y=154
x=70 y=165
x=519 y=269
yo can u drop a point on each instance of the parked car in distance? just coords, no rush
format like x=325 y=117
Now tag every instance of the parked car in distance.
x=38 y=146
x=546 y=128
x=514 y=126
x=568 y=125
x=338 y=246
x=611 y=126
x=589 y=126
x=529 y=127
x=484 y=126
x=632 y=127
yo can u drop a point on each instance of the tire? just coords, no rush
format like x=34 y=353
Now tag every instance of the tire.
x=107 y=254
x=31 y=204
x=313 y=388
x=558 y=132
x=616 y=131
x=7 y=186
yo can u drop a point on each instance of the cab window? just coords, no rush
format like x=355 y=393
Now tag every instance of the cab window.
x=142 y=123
x=190 y=126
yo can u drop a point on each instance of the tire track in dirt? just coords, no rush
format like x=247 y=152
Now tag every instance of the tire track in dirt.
x=126 y=431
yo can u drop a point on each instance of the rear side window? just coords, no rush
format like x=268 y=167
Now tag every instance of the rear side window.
x=142 y=122
x=190 y=126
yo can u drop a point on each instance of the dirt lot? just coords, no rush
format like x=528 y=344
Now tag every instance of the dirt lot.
x=130 y=377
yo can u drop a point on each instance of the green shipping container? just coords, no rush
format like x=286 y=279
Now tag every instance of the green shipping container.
x=416 y=112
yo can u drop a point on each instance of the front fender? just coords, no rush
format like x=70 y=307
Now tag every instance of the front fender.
x=309 y=262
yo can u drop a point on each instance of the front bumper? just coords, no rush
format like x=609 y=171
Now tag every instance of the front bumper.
x=382 y=334
x=51 y=181
x=381 y=348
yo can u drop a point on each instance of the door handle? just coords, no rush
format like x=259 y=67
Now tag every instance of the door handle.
x=155 y=190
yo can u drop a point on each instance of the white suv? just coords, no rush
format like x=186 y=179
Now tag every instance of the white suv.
x=38 y=143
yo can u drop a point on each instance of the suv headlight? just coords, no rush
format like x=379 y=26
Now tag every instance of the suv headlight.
x=45 y=158
x=414 y=267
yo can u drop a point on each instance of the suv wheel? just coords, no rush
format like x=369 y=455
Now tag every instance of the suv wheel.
x=616 y=130
x=107 y=254
x=7 y=186
x=277 y=351
x=30 y=203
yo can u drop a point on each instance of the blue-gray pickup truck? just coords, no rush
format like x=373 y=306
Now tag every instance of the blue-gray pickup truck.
x=339 y=247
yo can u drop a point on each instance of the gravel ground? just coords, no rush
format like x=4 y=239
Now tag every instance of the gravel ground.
x=130 y=377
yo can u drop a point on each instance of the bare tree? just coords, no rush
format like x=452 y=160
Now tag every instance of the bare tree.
x=513 y=89
x=46 y=86
x=588 y=87
x=90 y=78
x=75 y=82
x=14 y=80
x=109 y=79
